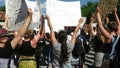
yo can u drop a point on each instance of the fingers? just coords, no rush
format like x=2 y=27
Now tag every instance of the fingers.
x=98 y=9
x=47 y=16
x=115 y=9
x=81 y=20
x=42 y=18
x=6 y=17
x=30 y=12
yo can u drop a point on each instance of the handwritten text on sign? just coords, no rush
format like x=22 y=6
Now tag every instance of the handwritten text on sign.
x=64 y=13
x=107 y=6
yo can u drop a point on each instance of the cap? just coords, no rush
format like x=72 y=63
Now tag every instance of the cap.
x=5 y=33
x=29 y=33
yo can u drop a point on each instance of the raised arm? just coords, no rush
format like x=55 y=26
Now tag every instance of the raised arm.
x=6 y=22
x=102 y=29
x=93 y=32
x=40 y=34
x=52 y=34
x=117 y=20
x=22 y=30
x=76 y=30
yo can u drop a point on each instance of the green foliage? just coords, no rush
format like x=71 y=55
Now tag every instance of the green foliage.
x=91 y=7
x=88 y=9
x=2 y=8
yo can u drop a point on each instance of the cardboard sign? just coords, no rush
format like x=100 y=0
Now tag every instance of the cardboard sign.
x=107 y=6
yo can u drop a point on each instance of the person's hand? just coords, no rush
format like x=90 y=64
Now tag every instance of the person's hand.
x=107 y=19
x=6 y=17
x=47 y=17
x=98 y=9
x=81 y=20
x=42 y=19
x=115 y=9
x=92 y=19
x=30 y=12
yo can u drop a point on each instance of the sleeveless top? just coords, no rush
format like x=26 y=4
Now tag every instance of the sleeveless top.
x=26 y=49
x=6 y=51
x=117 y=48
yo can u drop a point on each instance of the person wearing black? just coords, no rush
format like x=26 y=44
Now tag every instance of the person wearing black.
x=28 y=45
x=112 y=35
x=7 y=44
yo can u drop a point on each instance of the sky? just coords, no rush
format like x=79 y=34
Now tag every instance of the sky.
x=43 y=3
x=83 y=2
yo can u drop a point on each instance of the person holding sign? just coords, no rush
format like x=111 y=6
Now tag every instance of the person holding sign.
x=62 y=51
x=28 y=46
x=7 y=44
x=117 y=20
x=112 y=38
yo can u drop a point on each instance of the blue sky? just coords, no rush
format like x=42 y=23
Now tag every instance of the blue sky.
x=43 y=5
x=83 y=2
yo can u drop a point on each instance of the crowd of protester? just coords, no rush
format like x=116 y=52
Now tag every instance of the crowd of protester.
x=30 y=48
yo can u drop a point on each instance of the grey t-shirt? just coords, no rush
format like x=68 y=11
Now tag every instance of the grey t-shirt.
x=56 y=54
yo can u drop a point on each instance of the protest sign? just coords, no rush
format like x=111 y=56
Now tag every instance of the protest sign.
x=64 y=12
x=35 y=9
x=17 y=13
x=35 y=6
x=107 y=6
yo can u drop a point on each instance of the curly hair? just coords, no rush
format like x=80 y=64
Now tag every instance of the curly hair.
x=62 y=37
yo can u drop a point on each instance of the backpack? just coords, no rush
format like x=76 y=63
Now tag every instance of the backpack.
x=78 y=49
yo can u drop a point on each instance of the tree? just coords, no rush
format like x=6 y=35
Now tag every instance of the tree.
x=2 y=8
x=88 y=9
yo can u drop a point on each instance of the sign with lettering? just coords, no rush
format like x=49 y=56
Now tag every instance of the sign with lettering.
x=107 y=6
x=64 y=12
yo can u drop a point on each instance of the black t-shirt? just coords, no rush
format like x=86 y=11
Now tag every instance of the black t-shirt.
x=26 y=49
x=6 y=51
x=99 y=45
x=117 y=48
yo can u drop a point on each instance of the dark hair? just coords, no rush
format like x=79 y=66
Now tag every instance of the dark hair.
x=62 y=37
x=112 y=26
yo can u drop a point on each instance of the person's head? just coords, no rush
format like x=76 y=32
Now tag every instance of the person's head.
x=29 y=34
x=112 y=26
x=47 y=35
x=5 y=35
x=62 y=38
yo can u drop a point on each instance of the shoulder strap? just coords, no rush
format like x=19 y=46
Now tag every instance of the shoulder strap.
x=113 y=47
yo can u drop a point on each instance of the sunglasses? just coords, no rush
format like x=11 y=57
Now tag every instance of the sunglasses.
x=4 y=38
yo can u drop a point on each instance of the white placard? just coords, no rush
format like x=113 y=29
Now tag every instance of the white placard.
x=17 y=12
x=35 y=9
x=64 y=13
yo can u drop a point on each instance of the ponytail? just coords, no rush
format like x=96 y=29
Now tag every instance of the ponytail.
x=62 y=38
x=64 y=52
